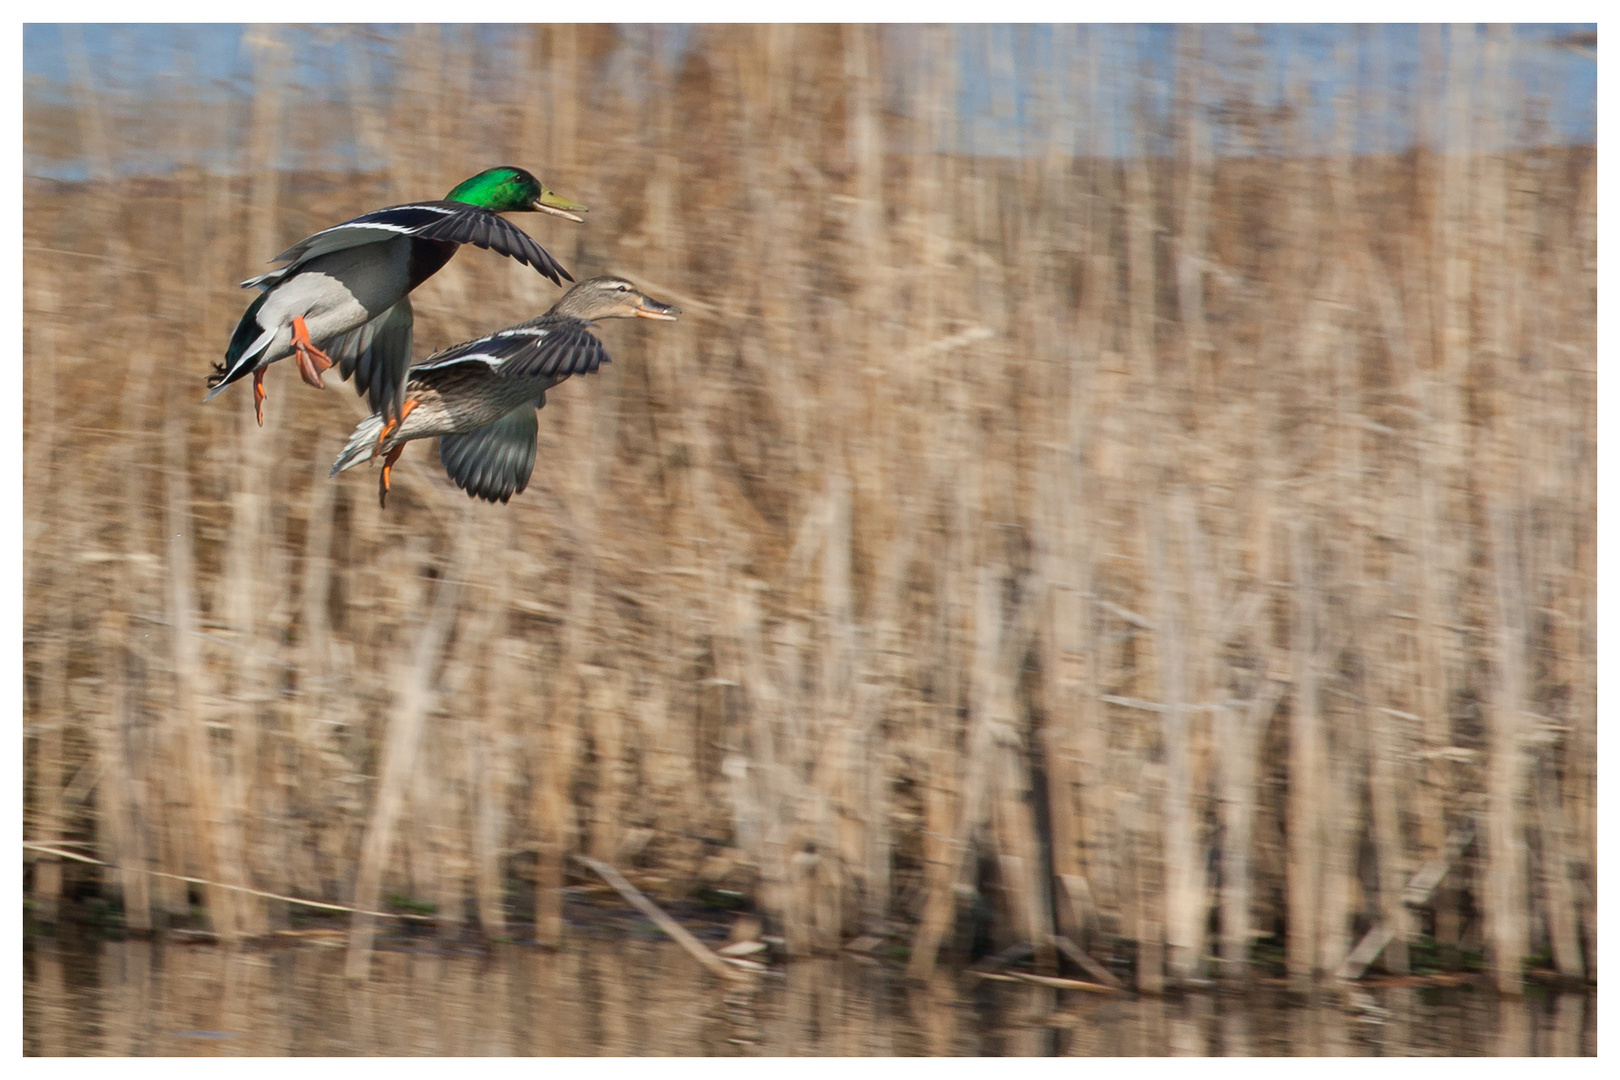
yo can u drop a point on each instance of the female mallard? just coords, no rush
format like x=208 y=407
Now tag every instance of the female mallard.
x=479 y=398
x=347 y=288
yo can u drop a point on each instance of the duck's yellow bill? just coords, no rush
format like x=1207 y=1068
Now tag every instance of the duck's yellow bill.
x=550 y=202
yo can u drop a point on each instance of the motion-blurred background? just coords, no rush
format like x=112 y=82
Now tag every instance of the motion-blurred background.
x=1136 y=483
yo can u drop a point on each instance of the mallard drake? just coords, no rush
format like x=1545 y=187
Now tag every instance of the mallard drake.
x=345 y=292
x=479 y=398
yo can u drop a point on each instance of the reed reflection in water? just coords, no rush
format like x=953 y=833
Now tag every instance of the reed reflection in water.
x=643 y=997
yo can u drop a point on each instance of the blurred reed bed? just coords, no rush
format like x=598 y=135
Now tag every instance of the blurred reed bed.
x=1189 y=554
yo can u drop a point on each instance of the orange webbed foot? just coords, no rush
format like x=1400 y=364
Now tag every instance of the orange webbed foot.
x=383 y=483
x=389 y=427
x=311 y=361
x=259 y=395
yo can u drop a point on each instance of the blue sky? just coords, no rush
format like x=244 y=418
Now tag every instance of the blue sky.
x=1003 y=72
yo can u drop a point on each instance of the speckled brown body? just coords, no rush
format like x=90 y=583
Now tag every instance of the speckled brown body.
x=461 y=398
x=479 y=398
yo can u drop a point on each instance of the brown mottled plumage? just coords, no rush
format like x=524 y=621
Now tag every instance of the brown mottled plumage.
x=479 y=398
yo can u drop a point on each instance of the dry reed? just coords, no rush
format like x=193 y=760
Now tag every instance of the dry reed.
x=1117 y=541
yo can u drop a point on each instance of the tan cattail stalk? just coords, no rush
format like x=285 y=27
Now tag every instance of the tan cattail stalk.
x=414 y=671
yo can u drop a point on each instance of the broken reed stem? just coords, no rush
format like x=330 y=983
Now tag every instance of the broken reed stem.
x=1417 y=892
x=675 y=930
x=1091 y=967
x=73 y=856
x=1051 y=981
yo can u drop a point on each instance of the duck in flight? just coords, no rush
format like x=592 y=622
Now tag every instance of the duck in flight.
x=343 y=296
x=480 y=398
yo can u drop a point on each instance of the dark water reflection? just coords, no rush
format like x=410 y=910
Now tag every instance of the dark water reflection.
x=634 y=997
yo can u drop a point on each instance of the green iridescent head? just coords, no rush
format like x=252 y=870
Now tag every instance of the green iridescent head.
x=509 y=188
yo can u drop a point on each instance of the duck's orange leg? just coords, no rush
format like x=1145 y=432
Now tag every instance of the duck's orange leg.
x=311 y=361
x=390 y=426
x=387 y=472
x=259 y=395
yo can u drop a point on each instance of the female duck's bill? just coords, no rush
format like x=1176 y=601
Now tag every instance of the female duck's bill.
x=654 y=309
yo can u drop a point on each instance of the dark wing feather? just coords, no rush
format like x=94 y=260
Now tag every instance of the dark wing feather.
x=378 y=356
x=486 y=229
x=493 y=462
x=409 y=219
x=551 y=345
x=434 y=220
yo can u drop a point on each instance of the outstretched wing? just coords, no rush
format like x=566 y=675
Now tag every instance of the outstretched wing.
x=493 y=462
x=450 y=221
x=389 y=223
x=482 y=228
x=378 y=356
x=547 y=346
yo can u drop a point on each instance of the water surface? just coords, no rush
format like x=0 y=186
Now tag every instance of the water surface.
x=635 y=995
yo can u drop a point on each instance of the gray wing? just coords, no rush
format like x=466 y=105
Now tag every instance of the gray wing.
x=378 y=355
x=494 y=462
x=389 y=223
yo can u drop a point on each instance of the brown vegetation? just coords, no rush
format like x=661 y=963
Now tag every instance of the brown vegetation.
x=1173 y=551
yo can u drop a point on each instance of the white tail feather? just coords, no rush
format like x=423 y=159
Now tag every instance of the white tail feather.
x=361 y=444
